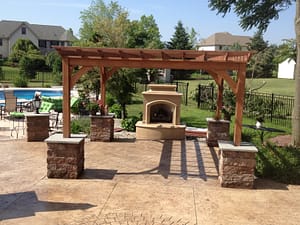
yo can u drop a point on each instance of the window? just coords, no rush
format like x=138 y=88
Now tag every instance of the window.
x=1 y=42
x=54 y=43
x=23 y=30
x=42 y=43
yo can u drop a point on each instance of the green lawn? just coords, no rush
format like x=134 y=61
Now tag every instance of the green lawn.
x=270 y=85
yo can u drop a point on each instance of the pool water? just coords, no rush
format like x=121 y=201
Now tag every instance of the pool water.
x=28 y=94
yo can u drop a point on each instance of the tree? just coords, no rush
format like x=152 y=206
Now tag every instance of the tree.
x=261 y=63
x=287 y=50
x=144 y=33
x=104 y=25
x=53 y=61
x=21 y=48
x=180 y=40
x=252 y=13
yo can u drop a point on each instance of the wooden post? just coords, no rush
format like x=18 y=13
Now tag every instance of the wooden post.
x=66 y=97
x=239 y=105
x=220 y=97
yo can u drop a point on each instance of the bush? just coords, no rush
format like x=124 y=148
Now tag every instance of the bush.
x=279 y=163
x=116 y=109
x=20 y=81
x=129 y=123
x=81 y=125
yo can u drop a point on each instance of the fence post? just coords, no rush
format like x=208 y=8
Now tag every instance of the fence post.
x=186 y=93
x=177 y=86
x=199 y=94
x=272 y=103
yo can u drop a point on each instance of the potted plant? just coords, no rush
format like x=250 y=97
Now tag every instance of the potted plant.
x=227 y=111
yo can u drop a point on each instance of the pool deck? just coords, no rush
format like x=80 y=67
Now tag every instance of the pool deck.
x=134 y=182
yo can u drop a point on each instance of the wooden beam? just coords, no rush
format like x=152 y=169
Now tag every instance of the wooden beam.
x=220 y=97
x=239 y=106
x=66 y=97
x=78 y=74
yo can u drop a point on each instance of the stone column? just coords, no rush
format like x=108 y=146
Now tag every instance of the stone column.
x=37 y=126
x=217 y=130
x=102 y=128
x=236 y=164
x=65 y=156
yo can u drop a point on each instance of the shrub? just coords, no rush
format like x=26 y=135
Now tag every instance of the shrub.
x=279 y=163
x=20 y=81
x=116 y=109
x=129 y=123
x=81 y=125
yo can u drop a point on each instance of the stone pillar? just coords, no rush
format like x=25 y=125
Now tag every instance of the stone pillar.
x=217 y=130
x=102 y=128
x=65 y=156
x=237 y=164
x=37 y=127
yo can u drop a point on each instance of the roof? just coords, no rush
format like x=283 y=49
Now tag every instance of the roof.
x=225 y=38
x=44 y=32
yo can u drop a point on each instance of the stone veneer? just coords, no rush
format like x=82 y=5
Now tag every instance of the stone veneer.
x=236 y=164
x=37 y=127
x=65 y=156
x=102 y=128
x=217 y=130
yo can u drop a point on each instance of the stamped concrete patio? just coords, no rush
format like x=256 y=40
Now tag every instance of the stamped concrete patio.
x=134 y=182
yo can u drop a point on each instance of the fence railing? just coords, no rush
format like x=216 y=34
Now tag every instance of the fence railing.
x=274 y=108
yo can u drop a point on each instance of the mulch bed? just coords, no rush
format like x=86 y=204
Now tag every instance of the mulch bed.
x=282 y=140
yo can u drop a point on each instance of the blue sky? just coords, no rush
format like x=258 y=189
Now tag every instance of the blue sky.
x=193 y=14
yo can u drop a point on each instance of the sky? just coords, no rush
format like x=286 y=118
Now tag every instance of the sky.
x=192 y=13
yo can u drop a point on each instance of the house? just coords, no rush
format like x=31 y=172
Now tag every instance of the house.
x=286 y=69
x=223 y=41
x=43 y=36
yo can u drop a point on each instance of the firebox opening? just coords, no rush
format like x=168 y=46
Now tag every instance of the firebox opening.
x=161 y=113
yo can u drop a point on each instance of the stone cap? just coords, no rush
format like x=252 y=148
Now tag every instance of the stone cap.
x=36 y=115
x=229 y=146
x=161 y=87
x=216 y=121
x=58 y=138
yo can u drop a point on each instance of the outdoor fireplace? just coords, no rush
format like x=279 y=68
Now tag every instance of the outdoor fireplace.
x=161 y=114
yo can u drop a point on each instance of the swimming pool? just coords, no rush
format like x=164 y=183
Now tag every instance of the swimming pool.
x=28 y=93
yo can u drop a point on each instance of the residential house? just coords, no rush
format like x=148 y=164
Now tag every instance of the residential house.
x=223 y=41
x=286 y=69
x=43 y=36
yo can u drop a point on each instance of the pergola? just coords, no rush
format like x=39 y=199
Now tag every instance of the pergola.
x=109 y=60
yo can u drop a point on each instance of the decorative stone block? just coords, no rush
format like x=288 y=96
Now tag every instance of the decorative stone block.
x=37 y=127
x=236 y=164
x=65 y=156
x=102 y=128
x=217 y=130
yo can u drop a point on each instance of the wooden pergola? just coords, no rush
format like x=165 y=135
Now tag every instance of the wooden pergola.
x=109 y=60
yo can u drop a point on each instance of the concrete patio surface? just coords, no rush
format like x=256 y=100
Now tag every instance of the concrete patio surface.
x=134 y=182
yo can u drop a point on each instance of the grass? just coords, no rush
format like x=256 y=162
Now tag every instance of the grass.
x=270 y=85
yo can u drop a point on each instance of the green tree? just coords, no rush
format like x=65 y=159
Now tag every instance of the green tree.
x=252 y=13
x=261 y=63
x=287 y=50
x=121 y=86
x=23 y=47
x=144 y=33
x=104 y=25
x=180 y=40
x=53 y=61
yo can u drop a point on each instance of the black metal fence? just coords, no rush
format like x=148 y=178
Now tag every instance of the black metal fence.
x=272 y=107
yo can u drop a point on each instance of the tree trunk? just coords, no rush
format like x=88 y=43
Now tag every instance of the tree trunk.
x=296 y=112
